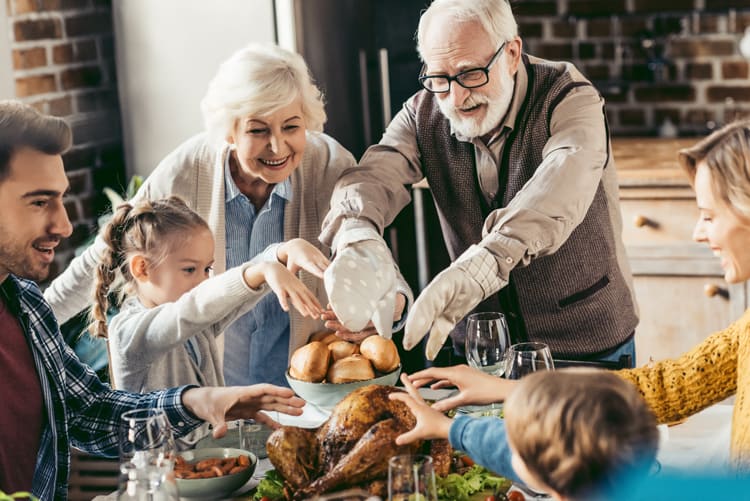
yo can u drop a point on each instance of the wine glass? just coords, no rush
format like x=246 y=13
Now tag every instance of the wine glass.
x=525 y=358
x=487 y=340
x=147 y=451
x=411 y=478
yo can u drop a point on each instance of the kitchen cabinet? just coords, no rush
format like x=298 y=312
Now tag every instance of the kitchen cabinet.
x=681 y=294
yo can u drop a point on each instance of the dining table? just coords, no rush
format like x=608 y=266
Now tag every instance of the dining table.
x=698 y=442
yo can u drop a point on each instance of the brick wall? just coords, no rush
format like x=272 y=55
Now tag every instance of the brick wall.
x=63 y=63
x=651 y=59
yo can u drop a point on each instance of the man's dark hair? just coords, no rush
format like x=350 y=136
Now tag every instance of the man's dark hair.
x=21 y=126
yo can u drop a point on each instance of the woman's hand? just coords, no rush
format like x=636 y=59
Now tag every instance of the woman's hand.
x=297 y=254
x=431 y=423
x=219 y=404
x=475 y=387
x=332 y=322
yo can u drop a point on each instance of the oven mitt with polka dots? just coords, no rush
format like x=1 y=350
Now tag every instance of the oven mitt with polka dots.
x=361 y=283
x=451 y=295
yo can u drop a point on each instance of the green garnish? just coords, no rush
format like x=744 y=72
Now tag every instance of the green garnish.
x=455 y=487
x=271 y=485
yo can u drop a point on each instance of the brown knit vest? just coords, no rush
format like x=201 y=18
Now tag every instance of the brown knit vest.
x=576 y=299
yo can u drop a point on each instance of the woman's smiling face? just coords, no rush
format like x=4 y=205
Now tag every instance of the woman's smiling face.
x=270 y=147
x=721 y=228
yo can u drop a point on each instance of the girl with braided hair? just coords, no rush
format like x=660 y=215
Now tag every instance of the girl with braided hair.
x=165 y=333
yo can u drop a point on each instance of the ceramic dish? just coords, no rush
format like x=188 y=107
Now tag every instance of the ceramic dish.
x=216 y=487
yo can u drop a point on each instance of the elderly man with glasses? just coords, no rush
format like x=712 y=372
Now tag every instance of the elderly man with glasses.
x=516 y=152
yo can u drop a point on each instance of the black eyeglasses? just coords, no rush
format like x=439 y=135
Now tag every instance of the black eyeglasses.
x=468 y=79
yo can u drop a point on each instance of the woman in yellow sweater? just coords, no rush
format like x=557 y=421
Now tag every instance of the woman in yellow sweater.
x=719 y=367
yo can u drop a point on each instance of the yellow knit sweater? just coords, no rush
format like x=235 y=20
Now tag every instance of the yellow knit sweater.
x=716 y=369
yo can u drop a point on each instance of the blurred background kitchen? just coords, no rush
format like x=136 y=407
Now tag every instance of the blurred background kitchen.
x=129 y=76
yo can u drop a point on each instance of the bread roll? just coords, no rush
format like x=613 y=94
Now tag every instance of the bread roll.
x=325 y=336
x=349 y=369
x=381 y=352
x=342 y=349
x=310 y=362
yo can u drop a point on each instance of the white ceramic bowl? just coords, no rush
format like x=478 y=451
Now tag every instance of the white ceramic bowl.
x=216 y=487
x=327 y=395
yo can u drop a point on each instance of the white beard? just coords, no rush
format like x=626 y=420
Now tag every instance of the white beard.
x=496 y=108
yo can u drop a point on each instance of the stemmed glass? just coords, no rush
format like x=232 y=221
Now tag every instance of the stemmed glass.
x=411 y=478
x=525 y=358
x=147 y=451
x=487 y=340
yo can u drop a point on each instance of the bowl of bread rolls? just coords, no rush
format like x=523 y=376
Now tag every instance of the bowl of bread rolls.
x=327 y=368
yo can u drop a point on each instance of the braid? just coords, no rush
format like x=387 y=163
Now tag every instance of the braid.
x=112 y=260
x=145 y=228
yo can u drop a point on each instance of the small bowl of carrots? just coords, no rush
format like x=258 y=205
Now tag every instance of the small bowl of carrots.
x=214 y=471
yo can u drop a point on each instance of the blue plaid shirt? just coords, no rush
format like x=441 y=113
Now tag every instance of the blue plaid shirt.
x=79 y=409
x=256 y=345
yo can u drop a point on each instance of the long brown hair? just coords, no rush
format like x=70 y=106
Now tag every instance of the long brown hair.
x=150 y=228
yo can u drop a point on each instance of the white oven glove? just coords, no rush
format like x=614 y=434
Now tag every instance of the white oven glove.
x=451 y=295
x=361 y=281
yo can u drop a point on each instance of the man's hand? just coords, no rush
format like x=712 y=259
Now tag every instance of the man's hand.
x=451 y=295
x=475 y=387
x=219 y=404
x=431 y=423
x=333 y=323
x=361 y=285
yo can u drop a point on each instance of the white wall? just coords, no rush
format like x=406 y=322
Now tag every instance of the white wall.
x=167 y=51
x=6 y=67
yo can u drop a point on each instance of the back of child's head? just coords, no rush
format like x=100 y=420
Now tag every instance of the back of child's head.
x=579 y=431
x=151 y=228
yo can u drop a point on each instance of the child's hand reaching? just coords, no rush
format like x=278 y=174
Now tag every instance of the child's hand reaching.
x=430 y=422
x=288 y=288
x=299 y=254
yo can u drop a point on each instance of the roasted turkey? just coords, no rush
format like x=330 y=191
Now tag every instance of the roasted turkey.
x=351 y=448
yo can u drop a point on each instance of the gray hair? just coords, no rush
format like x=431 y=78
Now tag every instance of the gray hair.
x=21 y=125
x=495 y=16
x=256 y=81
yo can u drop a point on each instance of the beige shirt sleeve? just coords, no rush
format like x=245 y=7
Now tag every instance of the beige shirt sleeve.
x=535 y=223
x=378 y=188
x=543 y=214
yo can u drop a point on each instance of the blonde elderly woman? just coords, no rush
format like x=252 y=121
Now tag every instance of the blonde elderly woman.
x=262 y=173
x=717 y=368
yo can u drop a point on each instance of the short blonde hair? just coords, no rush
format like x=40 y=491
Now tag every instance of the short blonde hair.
x=495 y=16
x=580 y=430
x=726 y=153
x=256 y=81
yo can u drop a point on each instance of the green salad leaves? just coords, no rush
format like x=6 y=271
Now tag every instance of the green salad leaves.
x=455 y=487
x=271 y=486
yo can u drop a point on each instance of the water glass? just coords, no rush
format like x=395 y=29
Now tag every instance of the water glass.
x=525 y=358
x=487 y=340
x=146 y=437
x=253 y=437
x=147 y=451
x=411 y=478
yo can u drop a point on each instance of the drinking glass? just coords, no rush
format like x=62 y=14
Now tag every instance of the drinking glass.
x=525 y=358
x=487 y=340
x=147 y=451
x=253 y=437
x=411 y=478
